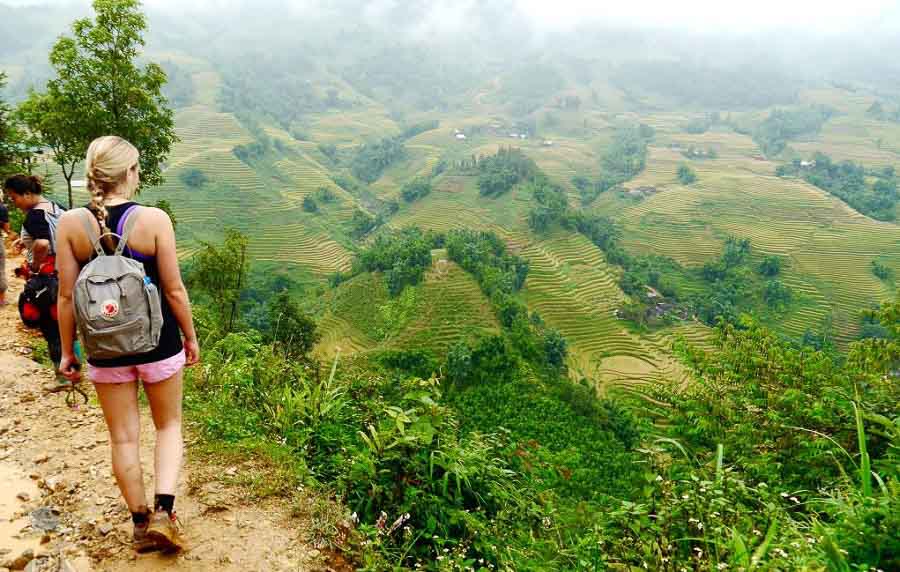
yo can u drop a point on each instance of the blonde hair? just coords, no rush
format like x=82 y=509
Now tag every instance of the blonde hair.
x=106 y=166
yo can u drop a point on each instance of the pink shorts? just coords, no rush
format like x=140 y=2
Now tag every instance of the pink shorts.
x=147 y=372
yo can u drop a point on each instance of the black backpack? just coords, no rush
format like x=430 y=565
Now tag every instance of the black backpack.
x=37 y=302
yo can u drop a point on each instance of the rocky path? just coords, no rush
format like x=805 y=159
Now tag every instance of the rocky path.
x=60 y=509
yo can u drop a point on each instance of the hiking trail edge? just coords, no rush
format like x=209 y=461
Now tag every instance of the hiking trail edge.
x=57 y=459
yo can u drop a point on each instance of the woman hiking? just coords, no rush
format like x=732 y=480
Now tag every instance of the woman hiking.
x=4 y=229
x=38 y=238
x=112 y=177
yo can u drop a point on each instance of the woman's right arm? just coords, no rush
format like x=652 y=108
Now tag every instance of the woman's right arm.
x=172 y=284
x=67 y=266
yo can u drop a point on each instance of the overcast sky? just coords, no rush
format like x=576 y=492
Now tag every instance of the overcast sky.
x=828 y=16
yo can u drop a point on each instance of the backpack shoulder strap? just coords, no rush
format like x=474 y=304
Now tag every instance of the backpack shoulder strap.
x=87 y=220
x=133 y=214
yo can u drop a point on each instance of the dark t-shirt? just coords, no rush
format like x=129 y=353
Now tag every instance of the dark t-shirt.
x=170 y=338
x=37 y=226
x=4 y=214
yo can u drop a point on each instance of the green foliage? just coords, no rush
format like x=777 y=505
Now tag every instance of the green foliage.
x=783 y=125
x=419 y=128
x=13 y=148
x=770 y=266
x=484 y=255
x=784 y=417
x=416 y=189
x=847 y=181
x=193 y=178
x=402 y=256
x=99 y=90
x=292 y=330
x=324 y=195
x=686 y=175
x=882 y=271
x=552 y=205
x=329 y=150
x=361 y=223
x=499 y=173
x=623 y=160
x=371 y=159
x=219 y=273
x=251 y=153
x=309 y=204
x=776 y=294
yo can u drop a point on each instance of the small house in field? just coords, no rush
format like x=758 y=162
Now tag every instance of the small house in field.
x=461 y=136
x=547 y=143
x=807 y=164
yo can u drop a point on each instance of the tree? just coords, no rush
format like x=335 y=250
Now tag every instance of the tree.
x=56 y=120
x=686 y=175
x=770 y=266
x=220 y=272
x=292 y=330
x=12 y=140
x=194 y=178
x=415 y=189
x=309 y=204
x=99 y=90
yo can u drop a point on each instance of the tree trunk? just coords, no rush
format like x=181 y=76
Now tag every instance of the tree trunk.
x=234 y=303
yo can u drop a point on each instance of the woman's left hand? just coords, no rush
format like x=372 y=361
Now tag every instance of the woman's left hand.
x=70 y=368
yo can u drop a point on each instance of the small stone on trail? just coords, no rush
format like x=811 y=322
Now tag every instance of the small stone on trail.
x=231 y=471
x=45 y=518
x=21 y=562
x=42 y=458
x=24 y=497
x=105 y=528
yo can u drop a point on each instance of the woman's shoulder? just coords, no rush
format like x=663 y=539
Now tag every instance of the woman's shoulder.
x=153 y=214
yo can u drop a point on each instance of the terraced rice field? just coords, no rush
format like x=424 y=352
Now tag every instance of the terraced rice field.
x=449 y=306
x=455 y=203
x=453 y=308
x=829 y=245
x=872 y=143
x=574 y=291
x=352 y=126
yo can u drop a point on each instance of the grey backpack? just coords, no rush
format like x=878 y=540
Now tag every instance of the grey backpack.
x=117 y=308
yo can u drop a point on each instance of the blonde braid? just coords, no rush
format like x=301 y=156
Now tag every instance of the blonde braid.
x=106 y=167
x=98 y=208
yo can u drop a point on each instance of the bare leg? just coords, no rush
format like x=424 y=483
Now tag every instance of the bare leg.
x=123 y=419
x=165 y=405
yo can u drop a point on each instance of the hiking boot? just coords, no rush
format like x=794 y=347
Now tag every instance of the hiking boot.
x=142 y=543
x=164 y=531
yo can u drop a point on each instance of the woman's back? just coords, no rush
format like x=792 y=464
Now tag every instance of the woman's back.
x=152 y=243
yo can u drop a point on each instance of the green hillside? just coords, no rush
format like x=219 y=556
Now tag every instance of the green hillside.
x=827 y=247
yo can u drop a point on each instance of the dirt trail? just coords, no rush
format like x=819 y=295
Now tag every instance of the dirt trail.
x=56 y=457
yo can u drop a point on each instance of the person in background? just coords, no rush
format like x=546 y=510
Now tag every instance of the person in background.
x=4 y=230
x=113 y=178
x=38 y=238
